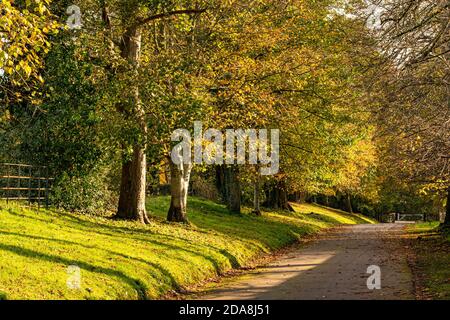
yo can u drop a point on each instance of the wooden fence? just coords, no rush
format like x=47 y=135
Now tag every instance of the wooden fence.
x=25 y=182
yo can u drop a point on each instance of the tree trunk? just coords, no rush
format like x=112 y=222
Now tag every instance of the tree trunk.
x=229 y=187
x=220 y=183
x=233 y=189
x=284 y=203
x=446 y=223
x=302 y=197
x=277 y=198
x=133 y=182
x=179 y=187
x=349 y=203
x=125 y=189
x=257 y=195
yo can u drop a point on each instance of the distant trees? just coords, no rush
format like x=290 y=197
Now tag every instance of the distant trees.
x=414 y=110
x=326 y=132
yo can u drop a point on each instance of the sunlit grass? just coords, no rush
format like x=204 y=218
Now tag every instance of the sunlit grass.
x=423 y=227
x=334 y=214
x=126 y=260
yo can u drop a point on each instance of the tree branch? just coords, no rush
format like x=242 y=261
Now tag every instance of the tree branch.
x=165 y=15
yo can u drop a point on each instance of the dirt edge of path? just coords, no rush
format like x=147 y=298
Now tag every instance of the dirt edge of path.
x=417 y=274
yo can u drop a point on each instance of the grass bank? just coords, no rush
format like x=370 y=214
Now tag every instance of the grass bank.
x=432 y=260
x=126 y=260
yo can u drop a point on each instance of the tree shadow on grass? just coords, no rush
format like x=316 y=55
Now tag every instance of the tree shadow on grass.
x=260 y=233
x=324 y=218
x=232 y=259
x=174 y=284
x=214 y=217
x=143 y=236
x=351 y=216
x=136 y=284
x=133 y=233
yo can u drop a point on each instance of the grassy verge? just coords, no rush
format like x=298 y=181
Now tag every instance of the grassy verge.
x=125 y=260
x=432 y=260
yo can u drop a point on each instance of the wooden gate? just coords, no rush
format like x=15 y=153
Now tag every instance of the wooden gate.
x=24 y=182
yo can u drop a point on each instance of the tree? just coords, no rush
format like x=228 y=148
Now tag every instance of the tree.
x=326 y=110
x=414 y=109
x=116 y=42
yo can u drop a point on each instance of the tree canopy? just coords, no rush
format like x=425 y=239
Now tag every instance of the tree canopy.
x=359 y=106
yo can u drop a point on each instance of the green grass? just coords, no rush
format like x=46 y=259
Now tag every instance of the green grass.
x=334 y=215
x=423 y=227
x=126 y=260
x=432 y=251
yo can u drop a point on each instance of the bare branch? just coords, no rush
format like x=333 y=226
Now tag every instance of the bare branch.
x=165 y=15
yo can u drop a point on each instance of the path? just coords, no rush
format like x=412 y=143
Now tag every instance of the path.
x=332 y=267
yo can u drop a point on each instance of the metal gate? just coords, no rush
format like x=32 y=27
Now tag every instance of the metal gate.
x=410 y=217
x=25 y=183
